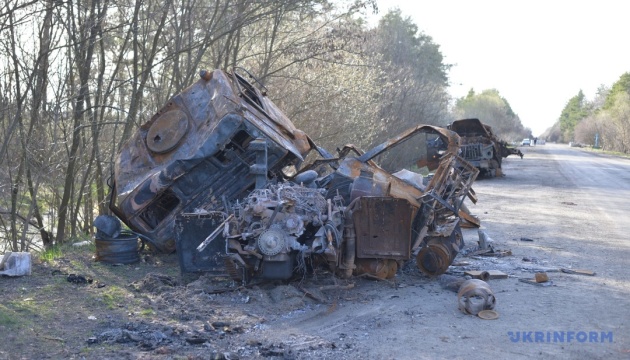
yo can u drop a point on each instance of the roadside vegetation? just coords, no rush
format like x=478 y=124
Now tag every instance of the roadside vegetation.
x=603 y=122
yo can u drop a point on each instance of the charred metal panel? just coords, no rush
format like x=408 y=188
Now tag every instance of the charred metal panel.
x=195 y=154
x=470 y=127
x=383 y=228
x=192 y=230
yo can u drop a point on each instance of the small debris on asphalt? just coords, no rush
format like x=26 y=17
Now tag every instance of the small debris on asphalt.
x=488 y=314
x=533 y=282
x=578 y=272
x=541 y=277
x=486 y=274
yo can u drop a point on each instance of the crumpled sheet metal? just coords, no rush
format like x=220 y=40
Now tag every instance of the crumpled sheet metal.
x=474 y=296
x=442 y=197
x=481 y=146
x=194 y=152
x=451 y=139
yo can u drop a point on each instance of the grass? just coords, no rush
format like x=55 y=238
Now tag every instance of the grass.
x=8 y=317
x=51 y=254
x=147 y=312
x=21 y=313
x=113 y=296
x=599 y=150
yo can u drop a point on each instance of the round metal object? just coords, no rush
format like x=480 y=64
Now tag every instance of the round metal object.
x=488 y=314
x=474 y=296
x=167 y=131
x=271 y=242
x=434 y=259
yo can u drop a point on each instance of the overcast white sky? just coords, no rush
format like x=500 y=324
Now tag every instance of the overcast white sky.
x=536 y=53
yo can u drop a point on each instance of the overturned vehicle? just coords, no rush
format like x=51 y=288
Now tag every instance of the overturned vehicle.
x=221 y=175
x=481 y=147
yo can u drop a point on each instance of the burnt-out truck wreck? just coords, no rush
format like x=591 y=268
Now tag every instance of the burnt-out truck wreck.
x=481 y=147
x=221 y=175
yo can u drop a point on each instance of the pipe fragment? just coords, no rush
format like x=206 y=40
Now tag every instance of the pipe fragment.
x=474 y=296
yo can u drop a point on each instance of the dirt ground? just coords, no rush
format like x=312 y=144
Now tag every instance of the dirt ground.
x=558 y=208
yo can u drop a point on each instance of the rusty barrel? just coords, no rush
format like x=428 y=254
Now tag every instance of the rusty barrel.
x=474 y=296
x=122 y=249
x=435 y=259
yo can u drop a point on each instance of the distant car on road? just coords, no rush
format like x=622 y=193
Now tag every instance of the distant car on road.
x=527 y=142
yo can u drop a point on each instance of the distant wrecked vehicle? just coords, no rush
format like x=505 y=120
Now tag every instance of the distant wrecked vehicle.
x=223 y=176
x=481 y=147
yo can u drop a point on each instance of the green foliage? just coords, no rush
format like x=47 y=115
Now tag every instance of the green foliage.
x=617 y=132
x=494 y=110
x=574 y=111
x=622 y=86
x=413 y=88
x=113 y=296
x=51 y=254
x=147 y=312
x=62 y=250
x=402 y=44
x=8 y=317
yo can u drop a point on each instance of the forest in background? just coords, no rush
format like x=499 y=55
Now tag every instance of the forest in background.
x=602 y=122
x=78 y=77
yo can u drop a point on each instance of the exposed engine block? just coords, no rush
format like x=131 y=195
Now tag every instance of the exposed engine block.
x=283 y=223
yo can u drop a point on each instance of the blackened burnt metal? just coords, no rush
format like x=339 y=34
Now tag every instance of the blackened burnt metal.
x=481 y=147
x=357 y=218
x=210 y=144
x=219 y=174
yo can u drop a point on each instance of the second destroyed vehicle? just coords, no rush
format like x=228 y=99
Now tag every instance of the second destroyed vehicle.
x=481 y=147
x=223 y=175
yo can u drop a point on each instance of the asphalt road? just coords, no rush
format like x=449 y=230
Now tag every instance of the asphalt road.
x=573 y=205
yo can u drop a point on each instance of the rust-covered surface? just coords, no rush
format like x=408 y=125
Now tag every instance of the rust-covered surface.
x=196 y=151
x=481 y=147
x=219 y=173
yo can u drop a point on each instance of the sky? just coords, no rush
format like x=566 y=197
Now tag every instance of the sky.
x=538 y=53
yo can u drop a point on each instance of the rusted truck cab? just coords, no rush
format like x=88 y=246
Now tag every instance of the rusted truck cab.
x=481 y=147
x=210 y=144
x=395 y=216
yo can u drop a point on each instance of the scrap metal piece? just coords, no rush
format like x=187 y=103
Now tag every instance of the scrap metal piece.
x=488 y=314
x=475 y=296
x=271 y=242
x=486 y=275
x=383 y=227
x=167 y=131
x=214 y=234
x=434 y=259
x=578 y=272
x=481 y=147
x=107 y=225
x=214 y=139
x=192 y=230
